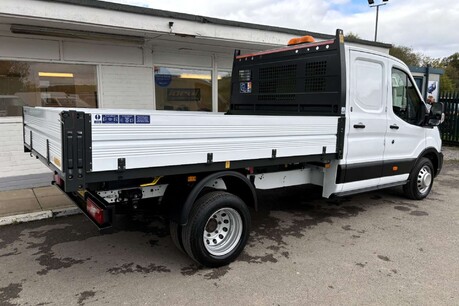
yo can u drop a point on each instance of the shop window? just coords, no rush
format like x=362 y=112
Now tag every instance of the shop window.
x=45 y=84
x=183 y=89
x=224 y=90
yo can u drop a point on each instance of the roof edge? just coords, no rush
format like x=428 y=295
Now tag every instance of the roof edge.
x=424 y=70
x=203 y=19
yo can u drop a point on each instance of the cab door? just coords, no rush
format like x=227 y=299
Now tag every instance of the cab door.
x=366 y=127
x=405 y=136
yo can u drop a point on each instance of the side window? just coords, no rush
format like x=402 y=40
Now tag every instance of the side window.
x=369 y=85
x=406 y=103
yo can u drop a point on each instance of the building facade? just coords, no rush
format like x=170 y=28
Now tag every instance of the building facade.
x=76 y=53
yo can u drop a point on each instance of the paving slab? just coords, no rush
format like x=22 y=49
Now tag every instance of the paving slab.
x=13 y=206
x=55 y=201
x=17 y=194
x=47 y=191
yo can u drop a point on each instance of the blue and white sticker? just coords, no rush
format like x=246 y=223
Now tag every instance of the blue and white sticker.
x=142 y=119
x=121 y=119
x=109 y=118
x=245 y=87
x=97 y=118
x=126 y=119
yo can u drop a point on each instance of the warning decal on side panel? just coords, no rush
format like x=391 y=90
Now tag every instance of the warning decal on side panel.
x=142 y=119
x=127 y=119
x=245 y=87
x=97 y=118
x=109 y=118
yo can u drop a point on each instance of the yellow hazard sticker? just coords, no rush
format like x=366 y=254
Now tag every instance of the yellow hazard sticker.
x=82 y=192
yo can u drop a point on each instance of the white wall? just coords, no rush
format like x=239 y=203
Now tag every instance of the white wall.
x=126 y=87
x=29 y=48
x=182 y=59
x=102 y=53
x=16 y=167
x=12 y=157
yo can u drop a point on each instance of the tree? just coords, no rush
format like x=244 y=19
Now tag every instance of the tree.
x=406 y=55
x=351 y=36
x=446 y=84
x=451 y=66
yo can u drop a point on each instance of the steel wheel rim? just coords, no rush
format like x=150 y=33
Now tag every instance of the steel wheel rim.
x=424 y=179
x=223 y=231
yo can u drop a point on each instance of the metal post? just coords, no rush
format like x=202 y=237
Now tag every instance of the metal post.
x=377 y=17
x=376 y=26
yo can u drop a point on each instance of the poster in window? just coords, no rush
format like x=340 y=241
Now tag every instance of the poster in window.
x=432 y=92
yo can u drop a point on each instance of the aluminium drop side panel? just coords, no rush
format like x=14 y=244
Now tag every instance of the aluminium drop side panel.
x=43 y=135
x=160 y=138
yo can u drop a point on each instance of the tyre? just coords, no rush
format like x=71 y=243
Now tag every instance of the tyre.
x=421 y=180
x=176 y=234
x=217 y=230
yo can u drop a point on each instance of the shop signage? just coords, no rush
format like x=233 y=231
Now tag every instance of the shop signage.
x=184 y=94
x=163 y=78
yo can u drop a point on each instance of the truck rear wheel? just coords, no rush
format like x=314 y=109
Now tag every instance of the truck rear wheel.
x=421 y=180
x=217 y=230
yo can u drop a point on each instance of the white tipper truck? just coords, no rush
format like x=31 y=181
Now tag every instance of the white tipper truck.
x=323 y=113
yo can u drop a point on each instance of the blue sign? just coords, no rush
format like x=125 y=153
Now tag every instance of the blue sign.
x=163 y=80
x=127 y=119
x=142 y=119
x=109 y=118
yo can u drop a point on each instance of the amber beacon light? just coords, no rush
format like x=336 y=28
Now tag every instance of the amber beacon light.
x=301 y=40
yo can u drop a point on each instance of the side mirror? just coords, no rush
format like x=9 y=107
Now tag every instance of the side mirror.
x=436 y=115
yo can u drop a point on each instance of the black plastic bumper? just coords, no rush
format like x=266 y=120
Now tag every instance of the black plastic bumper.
x=440 y=163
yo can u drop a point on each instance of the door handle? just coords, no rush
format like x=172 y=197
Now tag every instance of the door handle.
x=394 y=127
x=360 y=125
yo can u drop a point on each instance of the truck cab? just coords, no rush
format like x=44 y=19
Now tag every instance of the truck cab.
x=386 y=131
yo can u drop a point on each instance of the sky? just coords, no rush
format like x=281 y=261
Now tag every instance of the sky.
x=428 y=26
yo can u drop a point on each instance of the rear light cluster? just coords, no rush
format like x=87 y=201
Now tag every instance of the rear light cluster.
x=58 y=181
x=95 y=211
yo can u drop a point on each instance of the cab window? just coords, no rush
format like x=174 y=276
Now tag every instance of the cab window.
x=406 y=103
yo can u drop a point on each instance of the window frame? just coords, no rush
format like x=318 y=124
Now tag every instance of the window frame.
x=17 y=119
x=421 y=116
x=231 y=75
x=365 y=107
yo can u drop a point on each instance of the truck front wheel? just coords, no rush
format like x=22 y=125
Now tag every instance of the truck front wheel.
x=421 y=180
x=217 y=230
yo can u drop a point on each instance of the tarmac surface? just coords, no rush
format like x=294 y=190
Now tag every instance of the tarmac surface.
x=373 y=248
